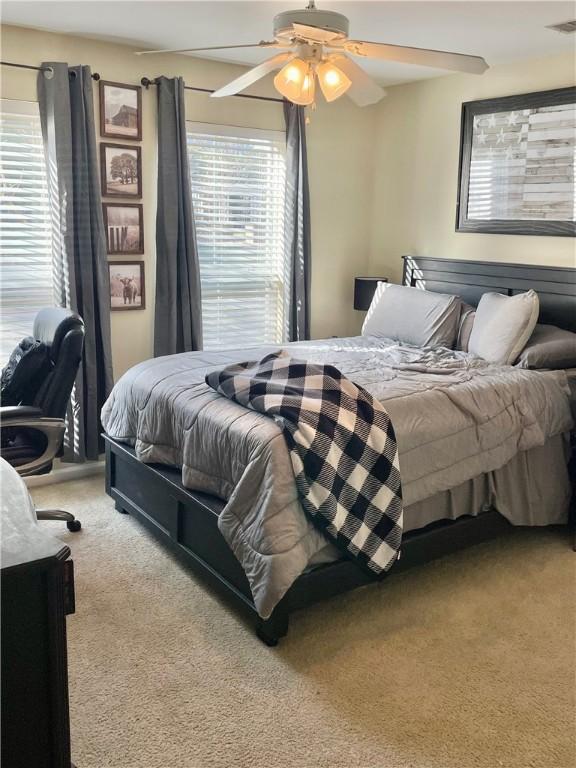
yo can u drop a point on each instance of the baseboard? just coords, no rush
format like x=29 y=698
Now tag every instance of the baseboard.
x=62 y=473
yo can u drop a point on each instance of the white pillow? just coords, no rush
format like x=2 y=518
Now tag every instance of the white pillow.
x=503 y=325
x=413 y=316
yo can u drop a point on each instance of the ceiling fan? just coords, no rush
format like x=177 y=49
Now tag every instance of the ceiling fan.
x=315 y=45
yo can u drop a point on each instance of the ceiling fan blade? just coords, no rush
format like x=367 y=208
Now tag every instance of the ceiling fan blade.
x=261 y=44
x=242 y=82
x=315 y=34
x=364 y=90
x=459 y=62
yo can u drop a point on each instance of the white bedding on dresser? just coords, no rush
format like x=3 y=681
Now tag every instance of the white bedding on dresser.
x=455 y=418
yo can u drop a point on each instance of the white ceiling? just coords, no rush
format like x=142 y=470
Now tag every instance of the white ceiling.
x=498 y=31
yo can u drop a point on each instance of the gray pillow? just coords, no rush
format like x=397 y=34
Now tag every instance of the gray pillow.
x=413 y=316
x=467 y=316
x=503 y=325
x=549 y=347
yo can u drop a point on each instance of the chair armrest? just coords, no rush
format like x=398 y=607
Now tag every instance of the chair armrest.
x=19 y=411
x=53 y=429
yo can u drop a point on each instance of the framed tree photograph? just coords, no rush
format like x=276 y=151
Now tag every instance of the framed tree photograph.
x=127 y=285
x=121 y=170
x=516 y=174
x=124 y=224
x=120 y=111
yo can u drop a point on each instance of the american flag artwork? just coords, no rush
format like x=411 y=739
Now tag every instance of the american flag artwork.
x=522 y=165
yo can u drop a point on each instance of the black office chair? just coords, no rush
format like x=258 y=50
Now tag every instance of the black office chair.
x=33 y=431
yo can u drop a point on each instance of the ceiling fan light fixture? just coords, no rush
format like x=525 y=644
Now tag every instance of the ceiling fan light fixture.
x=333 y=82
x=295 y=82
x=315 y=44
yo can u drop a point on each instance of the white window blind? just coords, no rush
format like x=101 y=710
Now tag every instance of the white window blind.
x=237 y=178
x=26 y=283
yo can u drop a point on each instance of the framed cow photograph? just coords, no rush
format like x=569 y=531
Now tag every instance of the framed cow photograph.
x=124 y=228
x=120 y=111
x=127 y=285
x=121 y=170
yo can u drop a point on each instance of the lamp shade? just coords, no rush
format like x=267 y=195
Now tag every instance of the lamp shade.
x=333 y=82
x=295 y=81
x=364 y=288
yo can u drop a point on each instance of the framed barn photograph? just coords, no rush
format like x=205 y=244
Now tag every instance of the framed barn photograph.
x=124 y=224
x=121 y=170
x=517 y=165
x=127 y=285
x=120 y=111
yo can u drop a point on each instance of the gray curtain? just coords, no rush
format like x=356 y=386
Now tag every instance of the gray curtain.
x=178 y=318
x=78 y=242
x=297 y=221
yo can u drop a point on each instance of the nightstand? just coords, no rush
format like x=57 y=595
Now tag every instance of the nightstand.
x=364 y=288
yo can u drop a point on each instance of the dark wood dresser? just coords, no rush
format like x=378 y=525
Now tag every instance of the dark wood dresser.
x=37 y=580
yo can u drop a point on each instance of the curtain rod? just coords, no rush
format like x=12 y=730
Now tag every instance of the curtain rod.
x=95 y=75
x=146 y=82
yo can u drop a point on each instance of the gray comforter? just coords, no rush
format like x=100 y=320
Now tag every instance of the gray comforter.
x=455 y=418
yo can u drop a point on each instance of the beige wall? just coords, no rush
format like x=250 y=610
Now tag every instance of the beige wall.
x=340 y=144
x=383 y=179
x=416 y=170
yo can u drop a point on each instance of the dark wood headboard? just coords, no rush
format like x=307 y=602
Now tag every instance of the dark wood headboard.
x=555 y=286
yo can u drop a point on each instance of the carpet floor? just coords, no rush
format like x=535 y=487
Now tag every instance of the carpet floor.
x=467 y=662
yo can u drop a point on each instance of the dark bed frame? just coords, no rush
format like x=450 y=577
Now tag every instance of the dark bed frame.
x=187 y=521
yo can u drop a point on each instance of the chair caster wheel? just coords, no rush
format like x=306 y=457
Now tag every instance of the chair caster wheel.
x=74 y=525
x=268 y=640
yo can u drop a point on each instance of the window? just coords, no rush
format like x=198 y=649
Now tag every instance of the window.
x=237 y=178
x=26 y=283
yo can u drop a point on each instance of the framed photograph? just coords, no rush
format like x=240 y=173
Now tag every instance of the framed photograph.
x=124 y=224
x=120 y=111
x=121 y=170
x=127 y=285
x=516 y=173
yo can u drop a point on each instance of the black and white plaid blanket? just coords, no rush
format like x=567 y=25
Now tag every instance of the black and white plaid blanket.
x=342 y=447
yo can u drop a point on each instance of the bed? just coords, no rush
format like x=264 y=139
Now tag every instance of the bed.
x=168 y=437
